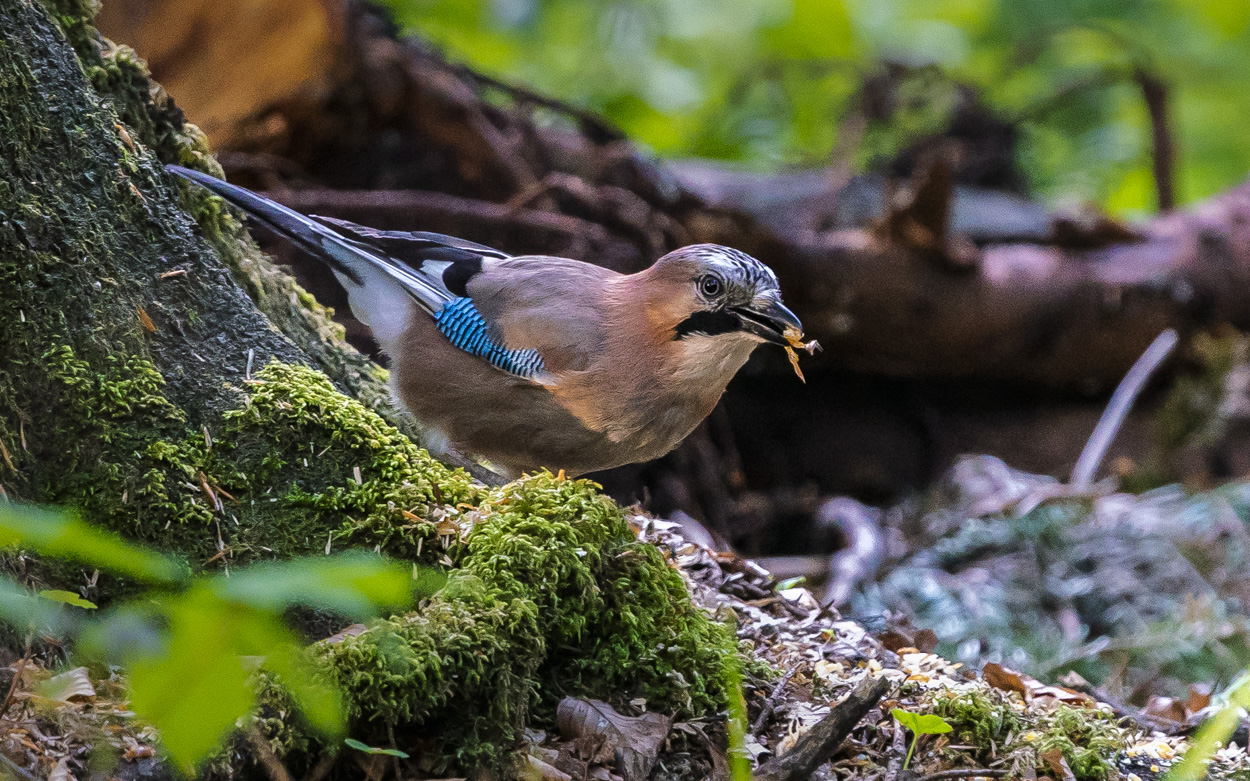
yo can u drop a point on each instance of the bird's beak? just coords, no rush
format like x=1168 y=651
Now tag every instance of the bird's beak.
x=769 y=323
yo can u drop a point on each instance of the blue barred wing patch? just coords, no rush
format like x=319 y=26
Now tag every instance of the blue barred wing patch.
x=465 y=328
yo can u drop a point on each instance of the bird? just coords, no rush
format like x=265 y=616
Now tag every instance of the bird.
x=534 y=362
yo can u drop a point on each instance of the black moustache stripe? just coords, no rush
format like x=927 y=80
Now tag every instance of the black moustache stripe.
x=708 y=324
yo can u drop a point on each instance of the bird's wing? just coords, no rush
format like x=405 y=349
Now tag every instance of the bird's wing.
x=528 y=314
x=475 y=294
x=554 y=306
x=532 y=316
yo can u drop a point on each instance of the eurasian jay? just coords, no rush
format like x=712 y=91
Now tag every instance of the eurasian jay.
x=534 y=361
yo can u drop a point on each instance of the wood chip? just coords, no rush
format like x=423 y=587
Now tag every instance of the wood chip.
x=146 y=321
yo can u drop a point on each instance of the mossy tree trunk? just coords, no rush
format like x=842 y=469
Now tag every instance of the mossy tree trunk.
x=124 y=323
x=157 y=374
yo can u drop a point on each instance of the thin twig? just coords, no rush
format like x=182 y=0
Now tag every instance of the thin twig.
x=390 y=734
x=771 y=703
x=264 y=752
x=857 y=562
x=819 y=743
x=1163 y=144
x=17 y=677
x=972 y=772
x=1117 y=409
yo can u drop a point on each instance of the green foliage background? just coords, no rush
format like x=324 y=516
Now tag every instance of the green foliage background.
x=766 y=82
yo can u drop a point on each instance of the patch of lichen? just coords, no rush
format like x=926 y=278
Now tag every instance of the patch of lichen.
x=553 y=594
x=997 y=722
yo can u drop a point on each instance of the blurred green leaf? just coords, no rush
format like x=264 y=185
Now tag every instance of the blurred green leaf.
x=191 y=655
x=27 y=612
x=60 y=535
x=318 y=700
x=196 y=687
x=1214 y=734
x=390 y=752
x=67 y=598
x=738 y=756
x=355 y=584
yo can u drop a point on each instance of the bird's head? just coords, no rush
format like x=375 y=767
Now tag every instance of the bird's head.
x=722 y=293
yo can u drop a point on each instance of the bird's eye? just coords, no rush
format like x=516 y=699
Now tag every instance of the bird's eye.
x=710 y=286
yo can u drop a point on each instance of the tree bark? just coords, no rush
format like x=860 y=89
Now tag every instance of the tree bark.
x=125 y=321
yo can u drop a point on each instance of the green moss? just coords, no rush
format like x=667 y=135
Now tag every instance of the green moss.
x=325 y=469
x=130 y=460
x=1088 y=739
x=296 y=466
x=553 y=594
x=993 y=722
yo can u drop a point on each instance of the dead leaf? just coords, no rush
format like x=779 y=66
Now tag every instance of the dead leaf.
x=537 y=770
x=601 y=734
x=1166 y=708
x=720 y=763
x=351 y=631
x=1006 y=679
x=1199 y=697
x=894 y=640
x=1055 y=761
x=1066 y=696
x=126 y=139
x=136 y=750
x=68 y=685
x=926 y=640
x=146 y=321
x=448 y=528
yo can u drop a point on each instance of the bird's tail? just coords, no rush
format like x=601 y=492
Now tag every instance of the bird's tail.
x=352 y=261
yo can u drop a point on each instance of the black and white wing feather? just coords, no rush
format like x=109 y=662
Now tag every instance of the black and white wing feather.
x=385 y=271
